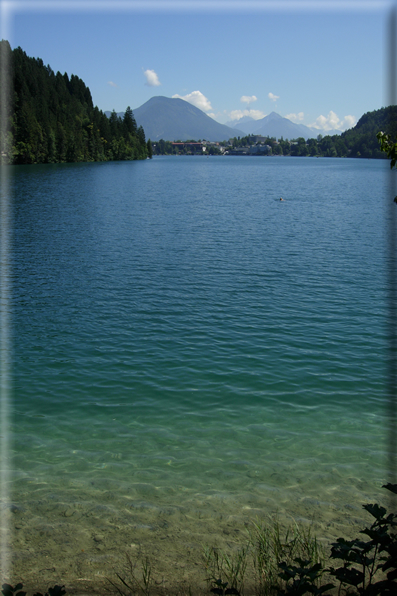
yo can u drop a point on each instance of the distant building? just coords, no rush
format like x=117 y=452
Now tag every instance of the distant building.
x=256 y=139
x=260 y=150
x=239 y=150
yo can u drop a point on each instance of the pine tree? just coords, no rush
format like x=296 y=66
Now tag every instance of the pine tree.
x=129 y=123
x=149 y=149
x=52 y=117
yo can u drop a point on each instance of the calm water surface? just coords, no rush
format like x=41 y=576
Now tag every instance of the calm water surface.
x=190 y=353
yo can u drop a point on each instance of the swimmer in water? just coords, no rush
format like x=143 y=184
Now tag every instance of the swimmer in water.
x=281 y=199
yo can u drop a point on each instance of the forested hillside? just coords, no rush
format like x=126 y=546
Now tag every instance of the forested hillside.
x=359 y=141
x=51 y=118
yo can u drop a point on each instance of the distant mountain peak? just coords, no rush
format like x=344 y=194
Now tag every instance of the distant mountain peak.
x=173 y=118
x=274 y=125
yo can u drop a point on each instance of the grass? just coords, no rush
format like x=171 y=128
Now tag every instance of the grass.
x=273 y=545
x=129 y=582
x=225 y=571
x=257 y=562
x=268 y=545
x=280 y=561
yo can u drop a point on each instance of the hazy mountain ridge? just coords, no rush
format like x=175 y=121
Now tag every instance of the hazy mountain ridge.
x=274 y=125
x=174 y=119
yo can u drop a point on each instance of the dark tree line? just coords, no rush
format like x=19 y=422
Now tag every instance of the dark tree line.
x=51 y=118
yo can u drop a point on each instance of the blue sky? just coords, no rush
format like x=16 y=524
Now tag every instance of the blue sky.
x=319 y=63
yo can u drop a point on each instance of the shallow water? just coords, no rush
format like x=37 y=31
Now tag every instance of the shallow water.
x=190 y=353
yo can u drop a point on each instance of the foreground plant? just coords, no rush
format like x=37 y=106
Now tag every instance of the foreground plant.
x=303 y=578
x=369 y=567
x=220 y=566
x=274 y=549
x=129 y=580
x=8 y=590
x=390 y=148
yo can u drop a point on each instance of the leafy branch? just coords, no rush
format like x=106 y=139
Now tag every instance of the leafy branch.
x=390 y=148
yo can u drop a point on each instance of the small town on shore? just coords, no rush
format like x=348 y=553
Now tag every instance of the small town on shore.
x=256 y=145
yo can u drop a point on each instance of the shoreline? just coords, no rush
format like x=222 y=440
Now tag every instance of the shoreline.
x=80 y=546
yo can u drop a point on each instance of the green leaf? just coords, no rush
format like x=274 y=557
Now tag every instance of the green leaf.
x=57 y=591
x=376 y=511
x=389 y=486
x=352 y=577
x=323 y=589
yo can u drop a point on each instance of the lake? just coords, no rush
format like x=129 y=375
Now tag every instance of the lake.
x=191 y=354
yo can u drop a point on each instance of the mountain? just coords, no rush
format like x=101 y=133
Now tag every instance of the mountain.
x=118 y=114
x=243 y=124
x=326 y=133
x=174 y=119
x=275 y=125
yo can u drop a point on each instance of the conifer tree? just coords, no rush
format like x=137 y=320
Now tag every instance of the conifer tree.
x=52 y=117
x=149 y=149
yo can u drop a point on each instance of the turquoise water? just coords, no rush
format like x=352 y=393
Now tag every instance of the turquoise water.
x=190 y=353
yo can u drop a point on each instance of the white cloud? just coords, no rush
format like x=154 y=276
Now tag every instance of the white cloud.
x=248 y=99
x=349 y=121
x=238 y=114
x=152 y=79
x=332 y=121
x=273 y=97
x=197 y=99
x=295 y=117
x=112 y=84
